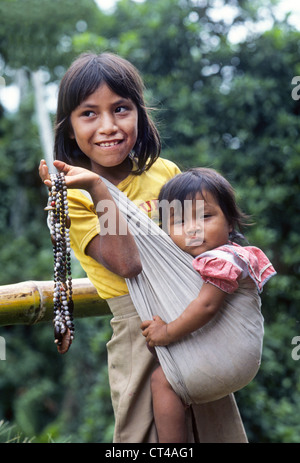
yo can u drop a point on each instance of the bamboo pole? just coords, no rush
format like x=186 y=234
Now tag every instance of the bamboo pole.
x=30 y=302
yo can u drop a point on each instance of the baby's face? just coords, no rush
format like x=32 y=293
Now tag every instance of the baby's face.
x=200 y=226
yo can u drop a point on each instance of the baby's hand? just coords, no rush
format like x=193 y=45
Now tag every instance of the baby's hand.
x=155 y=332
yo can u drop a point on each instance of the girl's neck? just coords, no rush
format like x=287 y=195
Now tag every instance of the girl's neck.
x=115 y=174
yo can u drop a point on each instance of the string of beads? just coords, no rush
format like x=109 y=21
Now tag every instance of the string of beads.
x=59 y=229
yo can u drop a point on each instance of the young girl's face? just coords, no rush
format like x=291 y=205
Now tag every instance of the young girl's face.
x=201 y=227
x=105 y=127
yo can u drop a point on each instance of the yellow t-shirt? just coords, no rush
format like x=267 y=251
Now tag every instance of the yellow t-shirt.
x=143 y=190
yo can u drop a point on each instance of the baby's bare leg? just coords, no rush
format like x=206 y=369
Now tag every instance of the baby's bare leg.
x=168 y=409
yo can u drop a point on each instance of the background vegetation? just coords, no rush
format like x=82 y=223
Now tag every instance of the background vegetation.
x=221 y=103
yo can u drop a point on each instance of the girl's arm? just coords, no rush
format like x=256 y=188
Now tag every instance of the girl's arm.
x=116 y=249
x=199 y=312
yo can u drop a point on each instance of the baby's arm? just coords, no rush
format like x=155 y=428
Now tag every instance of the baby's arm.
x=199 y=312
x=116 y=251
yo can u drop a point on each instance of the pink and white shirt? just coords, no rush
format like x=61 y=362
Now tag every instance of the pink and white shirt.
x=226 y=265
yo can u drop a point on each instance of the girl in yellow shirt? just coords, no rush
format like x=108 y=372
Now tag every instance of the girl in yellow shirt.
x=103 y=129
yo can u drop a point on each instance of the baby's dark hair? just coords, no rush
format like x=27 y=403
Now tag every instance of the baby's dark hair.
x=186 y=185
x=87 y=73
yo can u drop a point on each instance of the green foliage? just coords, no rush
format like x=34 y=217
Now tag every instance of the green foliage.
x=22 y=199
x=270 y=404
x=64 y=398
x=38 y=33
x=220 y=105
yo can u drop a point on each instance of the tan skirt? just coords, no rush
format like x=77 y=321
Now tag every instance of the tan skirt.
x=130 y=366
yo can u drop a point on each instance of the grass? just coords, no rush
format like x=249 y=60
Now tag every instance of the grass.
x=10 y=435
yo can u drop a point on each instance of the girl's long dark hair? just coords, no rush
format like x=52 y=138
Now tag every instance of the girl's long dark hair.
x=204 y=180
x=87 y=73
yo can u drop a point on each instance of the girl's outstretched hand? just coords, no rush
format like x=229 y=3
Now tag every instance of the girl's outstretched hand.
x=116 y=249
x=75 y=177
x=155 y=332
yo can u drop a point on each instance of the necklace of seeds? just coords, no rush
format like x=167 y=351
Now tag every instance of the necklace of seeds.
x=62 y=296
